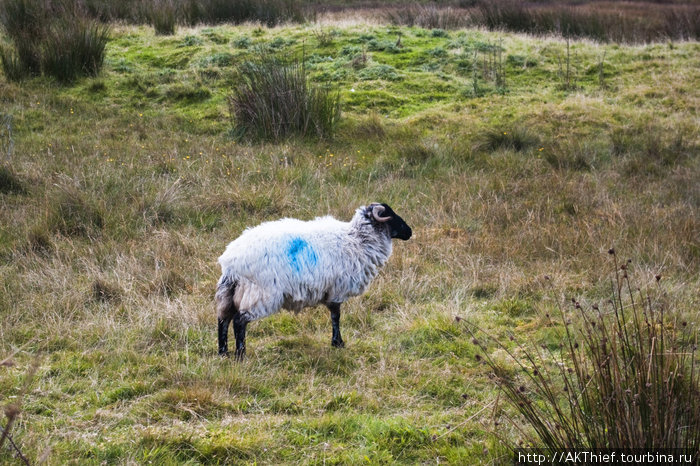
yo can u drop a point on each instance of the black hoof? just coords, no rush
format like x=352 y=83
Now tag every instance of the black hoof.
x=338 y=344
x=224 y=354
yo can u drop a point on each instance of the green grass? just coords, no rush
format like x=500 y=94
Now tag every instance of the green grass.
x=122 y=190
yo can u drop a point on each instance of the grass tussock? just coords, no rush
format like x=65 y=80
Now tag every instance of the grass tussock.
x=106 y=292
x=38 y=241
x=275 y=100
x=10 y=182
x=73 y=213
x=622 y=375
x=517 y=138
x=646 y=148
x=371 y=127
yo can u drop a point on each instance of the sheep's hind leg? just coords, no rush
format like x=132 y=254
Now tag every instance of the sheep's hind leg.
x=239 y=325
x=226 y=310
x=337 y=340
x=223 y=335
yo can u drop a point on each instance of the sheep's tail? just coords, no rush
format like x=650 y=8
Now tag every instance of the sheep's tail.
x=225 y=305
x=226 y=309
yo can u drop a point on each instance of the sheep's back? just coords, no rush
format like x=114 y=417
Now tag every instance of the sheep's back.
x=300 y=259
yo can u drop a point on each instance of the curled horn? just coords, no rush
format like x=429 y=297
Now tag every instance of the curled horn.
x=377 y=210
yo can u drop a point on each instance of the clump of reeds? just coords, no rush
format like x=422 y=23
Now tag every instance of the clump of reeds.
x=21 y=21
x=631 y=23
x=74 y=47
x=54 y=38
x=506 y=14
x=269 y=12
x=428 y=16
x=172 y=12
x=163 y=16
x=623 y=376
x=274 y=100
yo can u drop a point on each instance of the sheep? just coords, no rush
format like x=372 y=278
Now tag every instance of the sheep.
x=294 y=264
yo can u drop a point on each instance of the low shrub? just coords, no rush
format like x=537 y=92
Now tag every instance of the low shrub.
x=324 y=37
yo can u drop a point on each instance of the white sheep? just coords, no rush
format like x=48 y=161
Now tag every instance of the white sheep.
x=294 y=264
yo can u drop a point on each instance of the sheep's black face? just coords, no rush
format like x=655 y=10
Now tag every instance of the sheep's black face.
x=397 y=227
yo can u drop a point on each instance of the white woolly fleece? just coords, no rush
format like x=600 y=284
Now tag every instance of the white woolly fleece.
x=295 y=264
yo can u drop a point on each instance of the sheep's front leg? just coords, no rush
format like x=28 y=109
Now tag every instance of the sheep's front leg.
x=239 y=325
x=337 y=340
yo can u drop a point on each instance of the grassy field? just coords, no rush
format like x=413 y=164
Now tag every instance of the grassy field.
x=512 y=158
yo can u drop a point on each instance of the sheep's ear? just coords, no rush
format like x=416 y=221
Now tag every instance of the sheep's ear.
x=370 y=206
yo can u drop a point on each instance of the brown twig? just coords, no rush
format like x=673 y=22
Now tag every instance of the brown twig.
x=6 y=435
x=12 y=410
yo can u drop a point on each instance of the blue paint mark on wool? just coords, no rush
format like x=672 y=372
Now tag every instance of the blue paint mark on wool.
x=300 y=254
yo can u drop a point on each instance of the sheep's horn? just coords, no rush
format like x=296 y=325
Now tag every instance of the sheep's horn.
x=377 y=211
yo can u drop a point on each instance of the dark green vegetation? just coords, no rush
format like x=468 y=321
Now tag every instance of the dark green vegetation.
x=602 y=21
x=164 y=14
x=120 y=192
x=621 y=22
